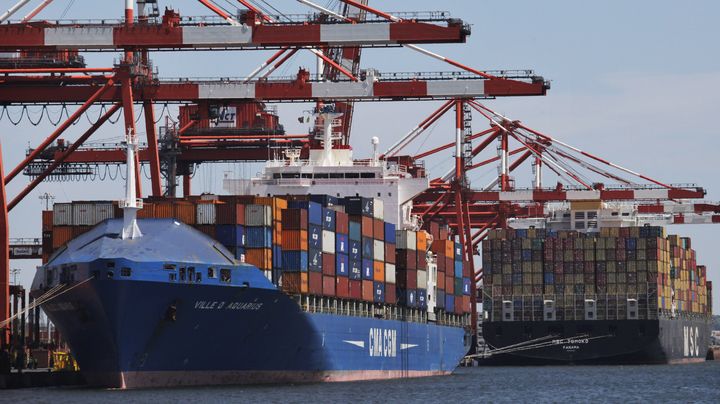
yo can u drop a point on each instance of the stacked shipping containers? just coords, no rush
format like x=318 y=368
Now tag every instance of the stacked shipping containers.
x=315 y=245
x=531 y=266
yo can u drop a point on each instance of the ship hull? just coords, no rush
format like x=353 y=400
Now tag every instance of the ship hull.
x=599 y=342
x=130 y=334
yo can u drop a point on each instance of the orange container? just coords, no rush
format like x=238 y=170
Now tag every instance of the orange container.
x=61 y=235
x=184 y=212
x=260 y=257
x=295 y=282
x=163 y=210
x=294 y=240
x=421 y=241
x=378 y=229
x=449 y=285
x=367 y=226
x=147 y=212
x=378 y=271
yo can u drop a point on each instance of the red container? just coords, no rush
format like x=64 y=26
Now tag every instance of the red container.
x=184 y=212
x=390 y=253
x=406 y=279
x=450 y=285
x=406 y=259
x=342 y=287
x=163 y=210
x=47 y=220
x=328 y=288
x=367 y=226
x=378 y=229
x=390 y=294
x=295 y=219
x=294 y=240
x=61 y=235
x=341 y=223
x=441 y=264
x=449 y=264
x=356 y=290
x=315 y=283
x=466 y=269
x=421 y=260
x=208 y=229
x=441 y=281
x=458 y=304
x=230 y=213
x=368 y=290
x=295 y=282
x=466 y=304
x=328 y=261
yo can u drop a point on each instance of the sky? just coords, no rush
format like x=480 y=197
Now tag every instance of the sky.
x=637 y=83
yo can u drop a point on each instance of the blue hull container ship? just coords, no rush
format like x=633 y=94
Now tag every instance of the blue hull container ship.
x=157 y=303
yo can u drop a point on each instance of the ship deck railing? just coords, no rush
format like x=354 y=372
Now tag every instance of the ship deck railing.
x=355 y=308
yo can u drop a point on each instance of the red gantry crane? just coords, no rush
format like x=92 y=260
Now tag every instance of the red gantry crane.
x=45 y=68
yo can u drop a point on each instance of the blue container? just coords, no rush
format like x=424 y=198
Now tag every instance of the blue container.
x=407 y=297
x=549 y=278
x=379 y=295
x=315 y=260
x=422 y=298
x=315 y=236
x=355 y=269
x=389 y=233
x=324 y=200
x=527 y=255
x=458 y=269
x=466 y=286
x=239 y=252
x=449 y=303
x=355 y=230
x=630 y=243
x=342 y=265
x=458 y=252
x=277 y=261
x=295 y=261
x=342 y=245
x=440 y=299
x=367 y=269
x=355 y=250
x=368 y=248
x=314 y=210
x=328 y=219
x=517 y=279
x=258 y=237
x=230 y=234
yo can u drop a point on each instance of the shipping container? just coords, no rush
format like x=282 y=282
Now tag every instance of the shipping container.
x=295 y=282
x=328 y=288
x=328 y=241
x=378 y=209
x=315 y=283
x=405 y=239
x=230 y=235
x=206 y=213
x=342 y=287
x=295 y=240
x=315 y=260
x=328 y=264
x=230 y=213
x=342 y=265
x=378 y=250
x=390 y=273
x=103 y=211
x=389 y=232
x=368 y=290
x=355 y=269
x=295 y=219
x=295 y=261
x=328 y=219
x=378 y=271
x=342 y=223
x=357 y=206
x=342 y=245
x=368 y=248
x=258 y=215
x=378 y=229
x=258 y=237
x=367 y=269
x=355 y=231
x=379 y=287
x=260 y=257
x=355 y=250
x=61 y=235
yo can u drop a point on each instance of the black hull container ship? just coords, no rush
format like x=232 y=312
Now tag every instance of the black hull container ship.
x=597 y=295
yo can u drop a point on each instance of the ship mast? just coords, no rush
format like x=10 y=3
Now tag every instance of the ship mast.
x=131 y=204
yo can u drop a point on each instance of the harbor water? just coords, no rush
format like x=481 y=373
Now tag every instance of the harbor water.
x=654 y=383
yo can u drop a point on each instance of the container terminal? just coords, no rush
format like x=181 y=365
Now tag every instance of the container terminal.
x=377 y=267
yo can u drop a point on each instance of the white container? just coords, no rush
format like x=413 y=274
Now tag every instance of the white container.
x=378 y=250
x=206 y=213
x=209 y=197
x=378 y=209
x=258 y=215
x=390 y=273
x=104 y=210
x=62 y=214
x=405 y=239
x=83 y=214
x=422 y=280
x=328 y=241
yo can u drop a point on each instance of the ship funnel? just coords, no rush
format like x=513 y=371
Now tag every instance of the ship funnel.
x=131 y=204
